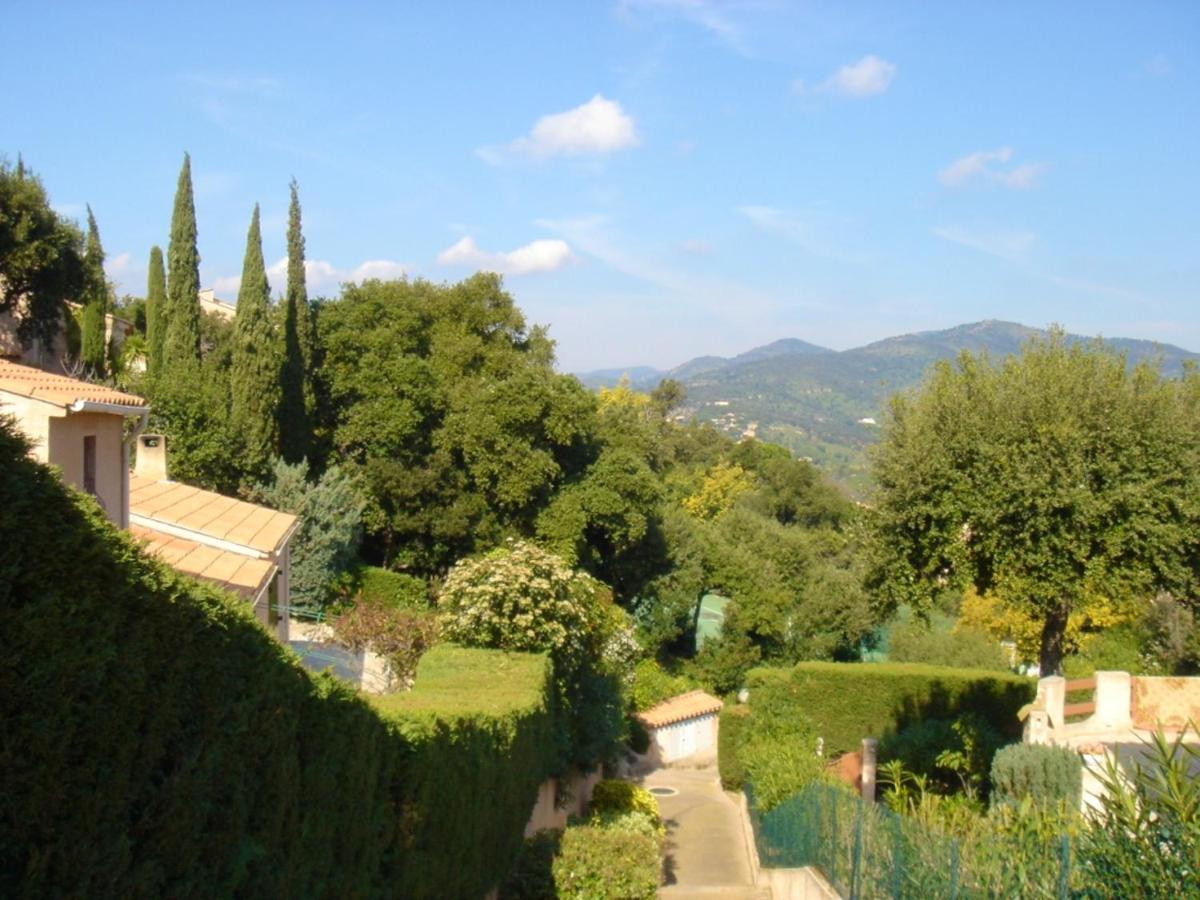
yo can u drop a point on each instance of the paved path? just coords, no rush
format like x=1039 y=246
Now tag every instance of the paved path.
x=706 y=852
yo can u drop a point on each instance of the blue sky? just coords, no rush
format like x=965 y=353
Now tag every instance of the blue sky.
x=657 y=179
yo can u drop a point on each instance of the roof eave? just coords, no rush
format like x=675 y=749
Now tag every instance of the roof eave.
x=120 y=409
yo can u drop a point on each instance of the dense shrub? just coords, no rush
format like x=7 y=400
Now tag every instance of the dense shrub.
x=955 y=755
x=532 y=878
x=849 y=701
x=774 y=748
x=596 y=863
x=651 y=685
x=393 y=589
x=614 y=797
x=965 y=648
x=732 y=722
x=397 y=634
x=158 y=742
x=1043 y=773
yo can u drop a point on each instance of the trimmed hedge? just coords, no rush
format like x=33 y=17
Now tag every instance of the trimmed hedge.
x=732 y=723
x=391 y=589
x=850 y=701
x=597 y=863
x=157 y=742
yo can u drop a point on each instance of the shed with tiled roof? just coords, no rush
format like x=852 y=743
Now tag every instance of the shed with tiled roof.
x=682 y=726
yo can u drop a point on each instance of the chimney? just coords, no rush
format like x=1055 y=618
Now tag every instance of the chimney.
x=151 y=457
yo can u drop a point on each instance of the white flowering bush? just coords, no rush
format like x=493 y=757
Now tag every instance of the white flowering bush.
x=524 y=598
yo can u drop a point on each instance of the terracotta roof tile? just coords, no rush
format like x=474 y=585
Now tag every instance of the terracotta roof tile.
x=677 y=709
x=206 y=513
x=27 y=381
x=243 y=575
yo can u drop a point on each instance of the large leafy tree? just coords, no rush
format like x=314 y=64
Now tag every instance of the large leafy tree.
x=181 y=334
x=156 y=302
x=448 y=408
x=295 y=429
x=41 y=256
x=95 y=303
x=254 y=370
x=1058 y=475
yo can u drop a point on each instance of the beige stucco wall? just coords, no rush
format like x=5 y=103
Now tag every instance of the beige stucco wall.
x=66 y=452
x=33 y=418
x=1169 y=702
x=686 y=738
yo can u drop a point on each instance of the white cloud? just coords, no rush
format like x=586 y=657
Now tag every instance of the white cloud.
x=987 y=165
x=696 y=248
x=118 y=267
x=865 y=78
x=1013 y=246
x=536 y=256
x=320 y=276
x=594 y=128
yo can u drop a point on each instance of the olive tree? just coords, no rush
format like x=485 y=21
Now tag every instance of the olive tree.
x=1057 y=475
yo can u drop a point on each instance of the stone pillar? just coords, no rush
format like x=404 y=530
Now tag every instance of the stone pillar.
x=1052 y=692
x=1037 y=727
x=1113 y=699
x=870 y=748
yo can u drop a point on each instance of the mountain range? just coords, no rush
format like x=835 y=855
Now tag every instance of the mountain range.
x=825 y=404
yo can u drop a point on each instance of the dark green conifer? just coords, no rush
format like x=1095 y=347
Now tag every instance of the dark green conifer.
x=254 y=375
x=92 y=343
x=156 y=306
x=294 y=427
x=181 y=335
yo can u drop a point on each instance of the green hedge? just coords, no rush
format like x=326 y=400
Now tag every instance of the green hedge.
x=1040 y=772
x=731 y=725
x=850 y=701
x=597 y=863
x=391 y=589
x=157 y=742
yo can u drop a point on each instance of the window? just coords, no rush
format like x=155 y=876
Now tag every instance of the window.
x=89 y=463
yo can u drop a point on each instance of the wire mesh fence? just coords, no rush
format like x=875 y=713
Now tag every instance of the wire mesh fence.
x=867 y=851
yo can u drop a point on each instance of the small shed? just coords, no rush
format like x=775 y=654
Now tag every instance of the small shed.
x=710 y=618
x=682 y=726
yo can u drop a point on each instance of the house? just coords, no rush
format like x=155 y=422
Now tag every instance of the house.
x=682 y=726
x=79 y=427
x=210 y=304
x=88 y=430
x=241 y=546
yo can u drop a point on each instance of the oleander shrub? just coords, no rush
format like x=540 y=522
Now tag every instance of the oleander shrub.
x=1040 y=772
x=597 y=863
x=847 y=702
x=156 y=741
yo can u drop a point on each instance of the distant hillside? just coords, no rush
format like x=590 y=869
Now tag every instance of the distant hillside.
x=825 y=404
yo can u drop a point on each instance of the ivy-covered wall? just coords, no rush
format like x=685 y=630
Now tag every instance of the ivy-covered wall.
x=157 y=742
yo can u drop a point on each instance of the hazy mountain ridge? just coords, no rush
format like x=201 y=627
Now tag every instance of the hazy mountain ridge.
x=824 y=404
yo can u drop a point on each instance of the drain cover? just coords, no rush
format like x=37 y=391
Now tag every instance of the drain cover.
x=663 y=791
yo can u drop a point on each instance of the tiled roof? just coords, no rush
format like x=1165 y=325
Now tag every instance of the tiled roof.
x=243 y=575
x=59 y=389
x=208 y=514
x=677 y=709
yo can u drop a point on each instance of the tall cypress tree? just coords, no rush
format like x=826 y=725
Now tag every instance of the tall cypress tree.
x=95 y=304
x=181 y=337
x=254 y=371
x=294 y=423
x=156 y=310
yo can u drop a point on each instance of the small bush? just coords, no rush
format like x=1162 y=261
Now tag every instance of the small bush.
x=532 y=878
x=954 y=754
x=399 y=635
x=615 y=797
x=596 y=863
x=1042 y=773
x=732 y=723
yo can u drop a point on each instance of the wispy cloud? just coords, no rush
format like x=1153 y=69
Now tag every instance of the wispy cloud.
x=595 y=128
x=715 y=18
x=1158 y=66
x=989 y=166
x=811 y=232
x=224 y=82
x=866 y=78
x=536 y=256
x=1013 y=246
x=321 y=276
x=696 y=248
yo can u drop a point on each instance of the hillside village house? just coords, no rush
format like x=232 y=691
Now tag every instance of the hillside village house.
x=85 y=430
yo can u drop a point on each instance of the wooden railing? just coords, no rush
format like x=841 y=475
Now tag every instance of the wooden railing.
x=1072 y=710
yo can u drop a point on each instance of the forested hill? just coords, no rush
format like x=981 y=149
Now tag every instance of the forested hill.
x=814 y=400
